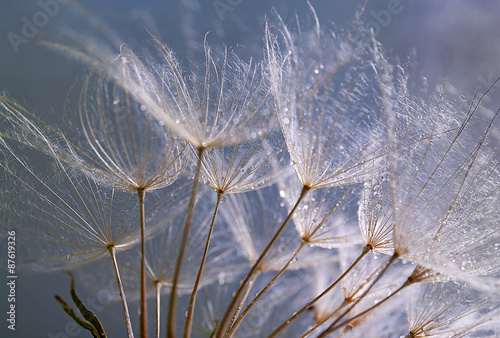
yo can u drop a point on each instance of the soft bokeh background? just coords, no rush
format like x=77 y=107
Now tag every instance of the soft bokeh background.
x=456 y=39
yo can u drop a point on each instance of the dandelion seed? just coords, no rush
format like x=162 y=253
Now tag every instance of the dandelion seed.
x=415 y=171
x=328 y=128
x=440 y=309
x=442 y=190
x=246 y=166
x=219 y=104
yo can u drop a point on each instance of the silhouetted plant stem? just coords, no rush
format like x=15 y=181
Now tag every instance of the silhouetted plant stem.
x=90 y=321
x=144 y=306
x=128 y=324
x=283 y=326
x=332 y=326
x=237 y=323
x=180 y=258
x=241 y=289
x=192 y=301
x=71 y=312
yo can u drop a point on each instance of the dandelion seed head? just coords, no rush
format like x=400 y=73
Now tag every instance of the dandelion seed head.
x=328 y=108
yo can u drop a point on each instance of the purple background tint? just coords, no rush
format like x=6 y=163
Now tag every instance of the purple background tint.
x=454 y=38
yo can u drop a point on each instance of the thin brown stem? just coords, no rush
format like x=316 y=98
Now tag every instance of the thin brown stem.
x=404 y=285
x=333 y=325
x=225 y=320
x=180 y=258
x=237 y=323
x=285 y=324
x=322 y=321
x=192 y=301
x=158 y=304
x=244 y=298
x=144 y=306
x=123 y=298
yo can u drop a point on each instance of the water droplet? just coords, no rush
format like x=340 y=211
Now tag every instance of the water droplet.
x=286 y=120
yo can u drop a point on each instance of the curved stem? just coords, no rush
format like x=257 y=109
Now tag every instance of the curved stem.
x=144 y=307
x=158 y=303
x=192 y=301
x=241 y=289
x=128 y=324
x=283 y=326
x=333 y=325
x=266 y=288
x=187 y=226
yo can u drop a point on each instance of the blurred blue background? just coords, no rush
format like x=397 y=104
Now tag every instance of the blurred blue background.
x=457 y=39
